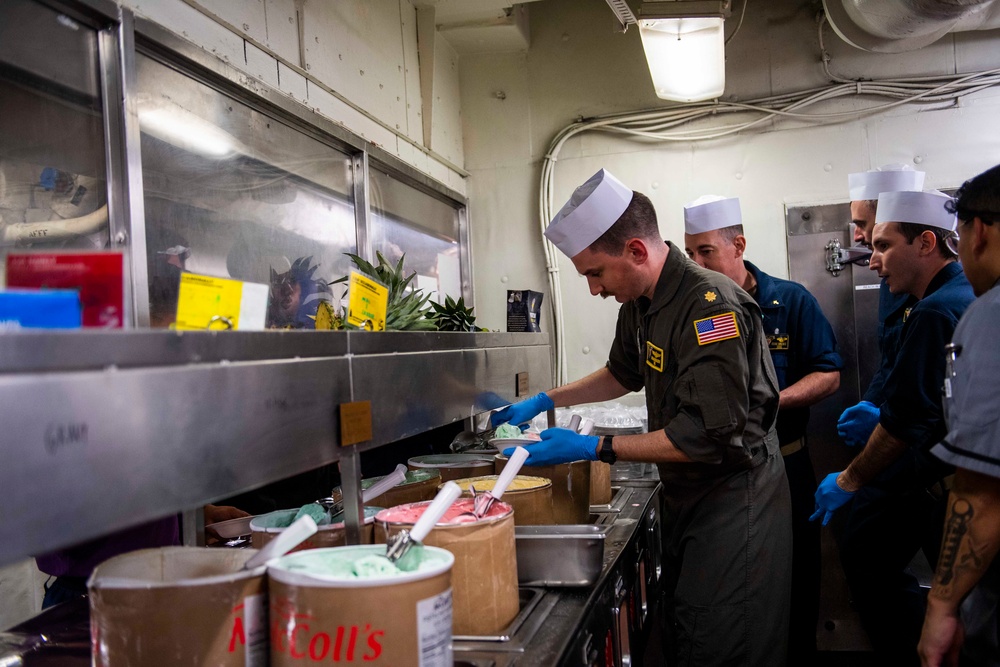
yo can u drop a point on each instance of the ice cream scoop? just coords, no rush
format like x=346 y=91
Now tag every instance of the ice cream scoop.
x=404 y=547
x=300 y=530
x=482 y=502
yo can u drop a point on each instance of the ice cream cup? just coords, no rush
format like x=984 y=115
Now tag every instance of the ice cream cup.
x=570 y=488
x=531 y=497
x=454 y=466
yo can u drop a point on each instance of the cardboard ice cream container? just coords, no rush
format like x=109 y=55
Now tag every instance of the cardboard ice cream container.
x=454 y=466
x=600 y=483
x=266 y=527
x=322 y=612
x=179 y=606
x=531 y=497
x=418 y=485
x=484 y=579
x=570 y=488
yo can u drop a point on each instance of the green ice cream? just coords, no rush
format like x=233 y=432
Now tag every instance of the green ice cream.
x=364 y=562
x=507 y=431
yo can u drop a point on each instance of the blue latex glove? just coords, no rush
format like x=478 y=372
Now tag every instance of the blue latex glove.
x=523 y=412
x=829 y=498
x=857 y=422
x=559 y=445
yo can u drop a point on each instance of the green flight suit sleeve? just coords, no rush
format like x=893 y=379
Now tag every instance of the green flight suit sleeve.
x=623 y=360
x=712 y=388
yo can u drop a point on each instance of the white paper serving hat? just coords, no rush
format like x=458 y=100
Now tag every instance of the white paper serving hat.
x=590 y=211
x=890 y=178
x=711 y=212
x=921 y=208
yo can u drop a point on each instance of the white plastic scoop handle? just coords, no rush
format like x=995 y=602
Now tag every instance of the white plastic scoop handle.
x=509 y=472
x=300 y=530
x=384 y=484
x=586 y=426
x=448 y=494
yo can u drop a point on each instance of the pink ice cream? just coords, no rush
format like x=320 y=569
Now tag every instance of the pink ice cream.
x=459 y=512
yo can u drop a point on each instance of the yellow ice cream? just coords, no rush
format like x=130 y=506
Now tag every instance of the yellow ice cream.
x=486 y=483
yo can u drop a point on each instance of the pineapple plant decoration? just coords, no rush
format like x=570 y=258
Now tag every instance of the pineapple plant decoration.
x=406 y=310
x=453 y=315
x=327 y=318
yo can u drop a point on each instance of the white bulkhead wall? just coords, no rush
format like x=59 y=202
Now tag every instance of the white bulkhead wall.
x=513 y=104
x=354 y=61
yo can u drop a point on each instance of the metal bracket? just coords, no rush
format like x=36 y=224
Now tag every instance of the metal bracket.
x=838 y=257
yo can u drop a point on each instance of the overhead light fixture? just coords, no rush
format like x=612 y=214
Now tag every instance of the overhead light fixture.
x=684 y=44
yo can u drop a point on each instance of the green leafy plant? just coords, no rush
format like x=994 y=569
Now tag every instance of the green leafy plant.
x=407 y=307
x=453 y=315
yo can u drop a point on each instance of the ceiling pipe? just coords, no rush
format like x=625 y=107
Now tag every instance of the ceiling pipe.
x=895 y=26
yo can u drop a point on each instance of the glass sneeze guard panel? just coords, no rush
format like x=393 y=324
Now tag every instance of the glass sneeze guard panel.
x=52 y=144
x=233 y=193
x=405 y=220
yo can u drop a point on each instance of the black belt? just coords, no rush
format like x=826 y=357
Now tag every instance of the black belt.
x=793 y=446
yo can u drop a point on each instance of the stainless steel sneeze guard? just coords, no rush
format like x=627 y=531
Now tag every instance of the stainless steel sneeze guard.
x=106 y=430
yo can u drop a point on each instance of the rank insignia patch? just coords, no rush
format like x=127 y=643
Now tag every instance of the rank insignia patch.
x=714 y=329
x=777 y=342
x=710 y=296
x=654 y=357
x=906 y=313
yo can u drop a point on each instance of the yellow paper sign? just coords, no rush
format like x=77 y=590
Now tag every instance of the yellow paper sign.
x=367 y=301
x=203 y=298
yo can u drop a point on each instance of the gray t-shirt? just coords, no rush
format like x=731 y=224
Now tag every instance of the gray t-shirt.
x=972 y=413
x=972 y=396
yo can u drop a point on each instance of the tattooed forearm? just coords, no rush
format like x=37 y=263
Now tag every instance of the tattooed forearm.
x=956 y=527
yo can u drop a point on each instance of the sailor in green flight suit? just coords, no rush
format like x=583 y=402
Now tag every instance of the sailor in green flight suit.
x=695 y=342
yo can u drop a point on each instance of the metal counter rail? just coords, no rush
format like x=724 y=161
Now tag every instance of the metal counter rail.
x=106 y=430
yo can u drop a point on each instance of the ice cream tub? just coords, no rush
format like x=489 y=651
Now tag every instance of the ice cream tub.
x=600 y=483
x=570 y=488
x=266 y=527
x=350 y=605
x=418 y=485
x=531 y=497
x=454 y=466
x=484 y=579
x=179 y=606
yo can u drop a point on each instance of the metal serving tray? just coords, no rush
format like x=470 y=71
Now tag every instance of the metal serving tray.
x=559 y=555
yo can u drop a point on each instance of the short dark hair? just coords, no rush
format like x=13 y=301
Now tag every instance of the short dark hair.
x=730 y=233
x=638 y=221
x=870 y=204
x=945 y=239
x=979 y=197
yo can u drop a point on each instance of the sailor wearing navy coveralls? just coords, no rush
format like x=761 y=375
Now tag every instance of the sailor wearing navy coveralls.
x=895 y=482
x=695 y=342
x=857 y=422
x=804 y=351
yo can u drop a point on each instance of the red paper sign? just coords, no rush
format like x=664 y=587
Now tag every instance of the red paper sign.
x=98 y=276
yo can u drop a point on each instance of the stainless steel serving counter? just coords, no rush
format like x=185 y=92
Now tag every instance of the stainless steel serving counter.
x=604 y=625
x=104 y=430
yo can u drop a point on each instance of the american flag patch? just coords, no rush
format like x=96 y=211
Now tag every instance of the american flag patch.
x=714 y=329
